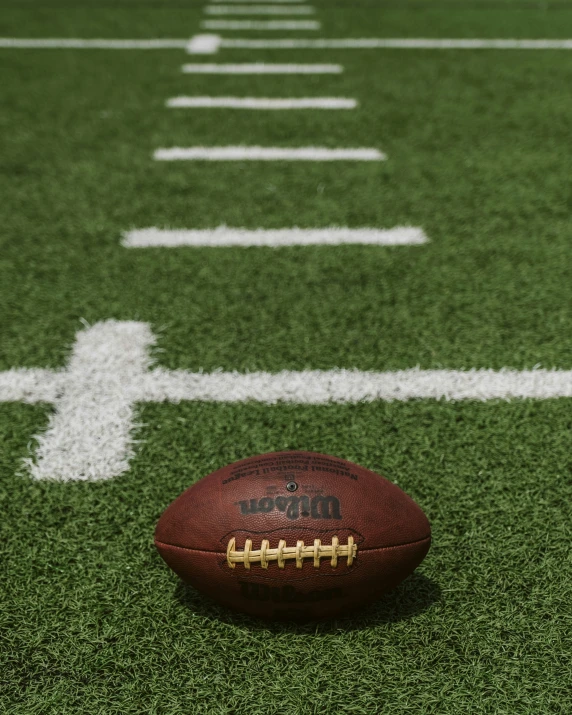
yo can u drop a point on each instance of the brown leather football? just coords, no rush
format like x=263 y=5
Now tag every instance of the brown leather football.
x=293 y=535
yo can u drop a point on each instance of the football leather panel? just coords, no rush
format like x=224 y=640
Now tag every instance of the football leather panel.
x=291 y=593
x=293 y=494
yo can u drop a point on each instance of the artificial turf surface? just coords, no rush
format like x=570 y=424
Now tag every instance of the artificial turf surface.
x=91 y=619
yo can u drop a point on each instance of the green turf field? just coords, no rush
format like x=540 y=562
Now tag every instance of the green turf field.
x=478 y=147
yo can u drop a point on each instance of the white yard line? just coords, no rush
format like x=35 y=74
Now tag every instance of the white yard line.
x=403 y=44
x=261 y=68
x=31 y=385
x=95 y=44
x=260 y=25
x=223 y=236
x=210 y=44
x=260 y=153
x=90 y=434
x=258 y=10
x=261 y=103
x=321 y=387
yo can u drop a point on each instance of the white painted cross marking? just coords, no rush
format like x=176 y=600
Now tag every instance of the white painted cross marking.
x=263 y=103
x=89 y=436
x=261 y=153
x=260 y=68
x=203 y=44
x=223 y=236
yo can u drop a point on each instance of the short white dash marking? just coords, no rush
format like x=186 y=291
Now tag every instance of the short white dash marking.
x=223 y=236
x=259 y=153
x=258 y=10
x=260 y=25
x=261 y=103
x=89 y=436
x=261 y=68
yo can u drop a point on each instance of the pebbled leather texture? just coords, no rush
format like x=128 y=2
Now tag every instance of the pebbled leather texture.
x=293 y=496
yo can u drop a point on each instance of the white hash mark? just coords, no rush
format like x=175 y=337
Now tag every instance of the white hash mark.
x=225 y=236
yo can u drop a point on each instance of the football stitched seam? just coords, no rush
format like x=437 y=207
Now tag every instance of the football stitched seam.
x=361 y=551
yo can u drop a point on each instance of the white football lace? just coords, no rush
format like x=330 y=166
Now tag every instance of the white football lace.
x=285 y=553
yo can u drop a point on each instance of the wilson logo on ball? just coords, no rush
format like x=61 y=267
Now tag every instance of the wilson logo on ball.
x=317 y=507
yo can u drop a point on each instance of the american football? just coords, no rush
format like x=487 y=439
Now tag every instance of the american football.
x=293 y=535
